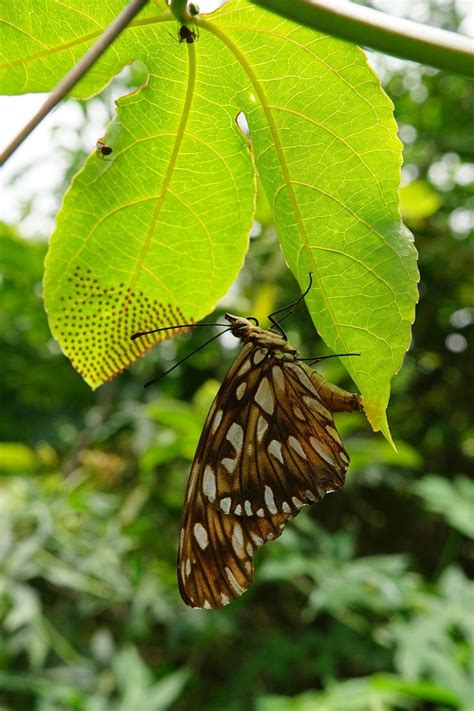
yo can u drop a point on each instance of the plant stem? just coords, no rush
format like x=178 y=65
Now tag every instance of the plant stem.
x=178 y=8
x=376 y=30
x=76 y=74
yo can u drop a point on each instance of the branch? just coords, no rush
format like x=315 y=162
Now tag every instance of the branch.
x=76 y=74
x=377 y=30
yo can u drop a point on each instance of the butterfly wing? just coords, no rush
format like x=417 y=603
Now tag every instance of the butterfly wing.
x=269 y=445
x=274 y=444
x=215 y=560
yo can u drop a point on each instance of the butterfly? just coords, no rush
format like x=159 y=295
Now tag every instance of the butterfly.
x=269 y=446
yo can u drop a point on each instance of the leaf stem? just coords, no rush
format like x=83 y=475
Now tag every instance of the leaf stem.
x=179 y=10
x=377 y=30
x=76 y=74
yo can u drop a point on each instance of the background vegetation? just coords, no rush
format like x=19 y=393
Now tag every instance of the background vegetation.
x=364 y=603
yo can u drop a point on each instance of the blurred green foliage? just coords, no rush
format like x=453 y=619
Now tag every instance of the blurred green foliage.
x=365 y=601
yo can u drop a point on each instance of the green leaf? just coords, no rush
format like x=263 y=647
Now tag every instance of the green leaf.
x=326 y=150
x=453 y=500
x=383 y=692
x=437 y=642
x=157 y=234
x=137 y=688
x=363 y=694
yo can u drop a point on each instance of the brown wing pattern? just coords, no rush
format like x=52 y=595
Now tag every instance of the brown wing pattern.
x=276 y=447
x=269 y=445
x=215 y=560
x=216 y=549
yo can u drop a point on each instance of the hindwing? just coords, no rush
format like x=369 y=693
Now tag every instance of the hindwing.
x=270 y=444
x=215 y=560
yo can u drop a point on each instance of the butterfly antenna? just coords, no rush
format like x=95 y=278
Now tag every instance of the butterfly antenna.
x=316 y=359
x=196 y=350
x=291 y=308
x=139 y=334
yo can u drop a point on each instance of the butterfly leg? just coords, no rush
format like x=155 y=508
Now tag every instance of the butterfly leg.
x=336 y=399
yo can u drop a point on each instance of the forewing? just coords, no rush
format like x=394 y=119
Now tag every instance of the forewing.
x=215 y=560
x=276 y=446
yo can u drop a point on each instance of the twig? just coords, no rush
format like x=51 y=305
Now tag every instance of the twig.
x=377 y=30
x=76 y=73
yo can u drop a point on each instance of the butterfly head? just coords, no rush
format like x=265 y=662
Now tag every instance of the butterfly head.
x=246 y=331
x=241 y=327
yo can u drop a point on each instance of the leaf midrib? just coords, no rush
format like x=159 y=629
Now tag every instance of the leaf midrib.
x=283 y=164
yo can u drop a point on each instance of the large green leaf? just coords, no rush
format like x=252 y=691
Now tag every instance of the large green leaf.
x=158 y=233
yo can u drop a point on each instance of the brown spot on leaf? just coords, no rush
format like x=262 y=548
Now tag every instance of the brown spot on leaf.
x=102 y=321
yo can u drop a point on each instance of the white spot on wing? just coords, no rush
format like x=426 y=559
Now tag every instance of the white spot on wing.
x=296 y=502
x=192 y=481
x=213 y=409
x=187 y=567
x=261 y=513
x=262 y=426
x=241 y=390
x=238 y=589
x=295 y=444
x=325 y=454
x=334 y=434
x=216 y=421
x=248 y=508
x=238 y=540
x=309 y=495
x=306 y=382
x=207 y=605
x=229 y=464
x=278 y=377
x=269 y=500
x=225 y=504
x=224 y=599
x=299 y=414
x=317 y=406
x=249 y=549
x=245 y=367
x=238 y=510
x=209 y=484
x=264 y=398
x=200 y=534
x=235 y=435
x=258 y=356
x=256 y=539
x=285 y=508
x=275 y=448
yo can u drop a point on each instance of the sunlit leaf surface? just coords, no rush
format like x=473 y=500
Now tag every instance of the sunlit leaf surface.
x=155 y=234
